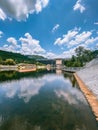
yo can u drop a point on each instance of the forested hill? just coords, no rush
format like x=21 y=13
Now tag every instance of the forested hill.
x=18 y=58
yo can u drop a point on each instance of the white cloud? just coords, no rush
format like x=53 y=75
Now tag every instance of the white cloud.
x=67 y=37
x=20 y=9
x=71 y=51
x=96 y=23
x=50 y=55
x=80 y=38
x=25 y=91
x=68 y=95
x=92 y=41
x=2 y=15
x=79 y=6
x=40 y=4
x=12 y=40
x=1 y=33
x=25 y=45
x=75 y=38
x=11 y=48
x=26 y=88
x=55 y=27
x=13 y=45
x=68 y=53
x=30 y=45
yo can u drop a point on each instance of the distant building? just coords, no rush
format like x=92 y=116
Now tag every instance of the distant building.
x=59 y=63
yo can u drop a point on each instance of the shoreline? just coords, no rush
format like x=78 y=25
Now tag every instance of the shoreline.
x=19 y=69
x=27 y=70
x=91 y=98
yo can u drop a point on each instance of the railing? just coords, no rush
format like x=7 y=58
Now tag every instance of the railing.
x=72 y=69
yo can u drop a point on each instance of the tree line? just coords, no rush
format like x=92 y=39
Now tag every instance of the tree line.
x=81 y=57
x=10 y=58
x=7 y=62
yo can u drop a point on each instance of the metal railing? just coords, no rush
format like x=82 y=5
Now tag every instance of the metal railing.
x=72 y=69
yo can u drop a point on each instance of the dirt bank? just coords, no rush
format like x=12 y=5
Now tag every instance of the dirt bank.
x=91 y=98
x=27 y=70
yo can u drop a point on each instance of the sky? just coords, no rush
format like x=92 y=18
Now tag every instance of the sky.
x=51 y=28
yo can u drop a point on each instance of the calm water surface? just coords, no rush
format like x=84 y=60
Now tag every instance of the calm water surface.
x=44 y=100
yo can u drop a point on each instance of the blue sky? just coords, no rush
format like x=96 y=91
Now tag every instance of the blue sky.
x=51 y=28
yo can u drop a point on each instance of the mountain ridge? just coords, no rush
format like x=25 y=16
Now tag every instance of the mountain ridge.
x=19 y=57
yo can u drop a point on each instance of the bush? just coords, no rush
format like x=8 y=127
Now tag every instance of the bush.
x=9 y=62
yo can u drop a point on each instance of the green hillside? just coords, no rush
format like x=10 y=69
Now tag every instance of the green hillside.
x=18 y=58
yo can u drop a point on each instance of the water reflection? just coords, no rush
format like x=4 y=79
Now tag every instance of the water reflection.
x=28 y=87
x=14 y=75
x=71 y=77
x=58 y=71
x=46 y=101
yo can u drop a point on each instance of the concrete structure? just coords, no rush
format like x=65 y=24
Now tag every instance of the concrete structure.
x=88 y=81
x=8 y=67
x=59 y=63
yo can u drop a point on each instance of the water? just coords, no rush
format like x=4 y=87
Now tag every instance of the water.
x=43 y=100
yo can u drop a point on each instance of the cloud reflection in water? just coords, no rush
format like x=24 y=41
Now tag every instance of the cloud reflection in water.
x=28 y=87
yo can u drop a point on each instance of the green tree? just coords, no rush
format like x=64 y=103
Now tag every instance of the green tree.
x=0 y=60
x=79 y=51
x=81 y=58
x=9 y=62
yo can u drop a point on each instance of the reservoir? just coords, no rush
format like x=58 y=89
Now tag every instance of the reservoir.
x=43 y=100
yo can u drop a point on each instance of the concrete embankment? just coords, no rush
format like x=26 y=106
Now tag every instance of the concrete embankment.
x=87 y=79
x=8 y=67
x=22 y=67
